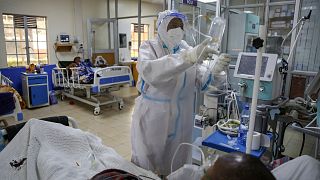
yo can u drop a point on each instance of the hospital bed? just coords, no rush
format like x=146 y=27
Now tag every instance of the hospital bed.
x=105 y=80
x=4 y=80
x=9 y=102
x=46 y=150
x=11 y=131
x=313 y=128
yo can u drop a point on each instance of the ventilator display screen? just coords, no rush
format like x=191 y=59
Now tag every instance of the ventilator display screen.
x=248 y=64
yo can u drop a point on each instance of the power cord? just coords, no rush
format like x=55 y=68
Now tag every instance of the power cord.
x=275 y=144
x=145 y=177
x=127 y=176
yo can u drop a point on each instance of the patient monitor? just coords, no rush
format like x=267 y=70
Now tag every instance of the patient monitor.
x=270 y=77
x=64 y=38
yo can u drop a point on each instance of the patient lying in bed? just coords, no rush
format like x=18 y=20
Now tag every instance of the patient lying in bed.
x=81 y=71
x=44 y=150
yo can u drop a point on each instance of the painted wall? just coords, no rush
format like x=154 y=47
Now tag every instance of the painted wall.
x=59 y=15
x=70 y=16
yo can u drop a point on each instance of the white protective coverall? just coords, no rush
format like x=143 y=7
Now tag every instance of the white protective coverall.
x=163 y=113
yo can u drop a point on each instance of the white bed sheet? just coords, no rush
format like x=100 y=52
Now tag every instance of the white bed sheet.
x=54 y=151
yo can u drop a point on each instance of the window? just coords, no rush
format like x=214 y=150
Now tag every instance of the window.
x=134 y=37
x=26 y=39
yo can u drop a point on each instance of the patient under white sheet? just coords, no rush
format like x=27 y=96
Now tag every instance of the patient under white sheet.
x=303 y=167
x=44 y=150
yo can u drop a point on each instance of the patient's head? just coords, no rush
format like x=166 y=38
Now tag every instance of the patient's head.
x=77 y=60
x=238 y=166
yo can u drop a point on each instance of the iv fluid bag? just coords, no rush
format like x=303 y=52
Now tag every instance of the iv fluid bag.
x=216 y=32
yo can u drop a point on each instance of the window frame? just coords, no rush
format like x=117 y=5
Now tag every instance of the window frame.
x=26 y=41
x=134 y=51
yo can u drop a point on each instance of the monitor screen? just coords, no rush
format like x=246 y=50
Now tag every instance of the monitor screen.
x=248 y=64
x=64 y=38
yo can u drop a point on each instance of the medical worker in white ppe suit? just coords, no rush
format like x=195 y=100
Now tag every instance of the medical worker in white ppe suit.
x=168 y=76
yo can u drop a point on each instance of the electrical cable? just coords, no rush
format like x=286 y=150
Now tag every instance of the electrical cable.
x=318 y=128
x=145 y=177
x=275 y=144
x=118 y=175
x=295 y=42
x=277 y=136
x=130 y=176
x=228 y=110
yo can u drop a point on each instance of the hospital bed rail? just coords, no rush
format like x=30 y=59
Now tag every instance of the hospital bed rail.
x=5 y=81
x=313 y=130
x=105 y=80
x=17 y=112
x=10 y=132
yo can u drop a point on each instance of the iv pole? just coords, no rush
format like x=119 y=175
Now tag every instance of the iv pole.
x=258 y=44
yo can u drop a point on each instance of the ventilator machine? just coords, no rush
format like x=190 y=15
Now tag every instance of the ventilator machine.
x=270 y=77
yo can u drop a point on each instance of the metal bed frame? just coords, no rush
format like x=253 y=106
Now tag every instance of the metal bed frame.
x=105 y=80
x=17 y=112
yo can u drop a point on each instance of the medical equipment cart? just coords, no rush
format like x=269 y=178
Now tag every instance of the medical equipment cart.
x=35 y=89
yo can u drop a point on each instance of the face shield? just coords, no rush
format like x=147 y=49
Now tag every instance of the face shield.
x=171 y=28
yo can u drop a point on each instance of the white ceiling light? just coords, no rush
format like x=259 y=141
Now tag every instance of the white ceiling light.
x=207 y=1
x=248 y=12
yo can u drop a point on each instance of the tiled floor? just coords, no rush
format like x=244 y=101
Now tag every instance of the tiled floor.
x=113 y=125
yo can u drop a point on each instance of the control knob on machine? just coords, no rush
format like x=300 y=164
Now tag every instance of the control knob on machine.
x=261 y=89
x=242 y=84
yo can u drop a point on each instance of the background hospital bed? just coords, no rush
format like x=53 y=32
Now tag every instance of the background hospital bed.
x=105 y=80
